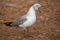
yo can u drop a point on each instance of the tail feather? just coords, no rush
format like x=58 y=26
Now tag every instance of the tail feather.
x=8 y=23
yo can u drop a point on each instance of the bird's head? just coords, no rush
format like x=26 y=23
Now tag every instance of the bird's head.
x=36 y=6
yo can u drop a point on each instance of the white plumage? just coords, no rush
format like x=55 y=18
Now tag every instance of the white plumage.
x=27 y=19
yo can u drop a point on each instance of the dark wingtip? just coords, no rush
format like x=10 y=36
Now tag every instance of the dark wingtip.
x=8 y=23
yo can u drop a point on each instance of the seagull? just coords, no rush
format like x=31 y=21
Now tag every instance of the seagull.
x=28 y=19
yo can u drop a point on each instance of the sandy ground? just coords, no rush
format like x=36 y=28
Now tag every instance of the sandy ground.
x=47 y=26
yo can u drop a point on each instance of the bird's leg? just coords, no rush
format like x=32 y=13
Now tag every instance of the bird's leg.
x=25 y=29
x=26 y=32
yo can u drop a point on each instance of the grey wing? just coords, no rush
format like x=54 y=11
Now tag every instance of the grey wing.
x=19 y=21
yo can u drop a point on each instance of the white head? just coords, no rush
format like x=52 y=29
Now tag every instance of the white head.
x=36 y=6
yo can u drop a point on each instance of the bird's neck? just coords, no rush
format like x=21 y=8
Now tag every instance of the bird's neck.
x=31 y=11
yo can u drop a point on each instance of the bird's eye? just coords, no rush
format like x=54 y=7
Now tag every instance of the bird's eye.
x=37 y=5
